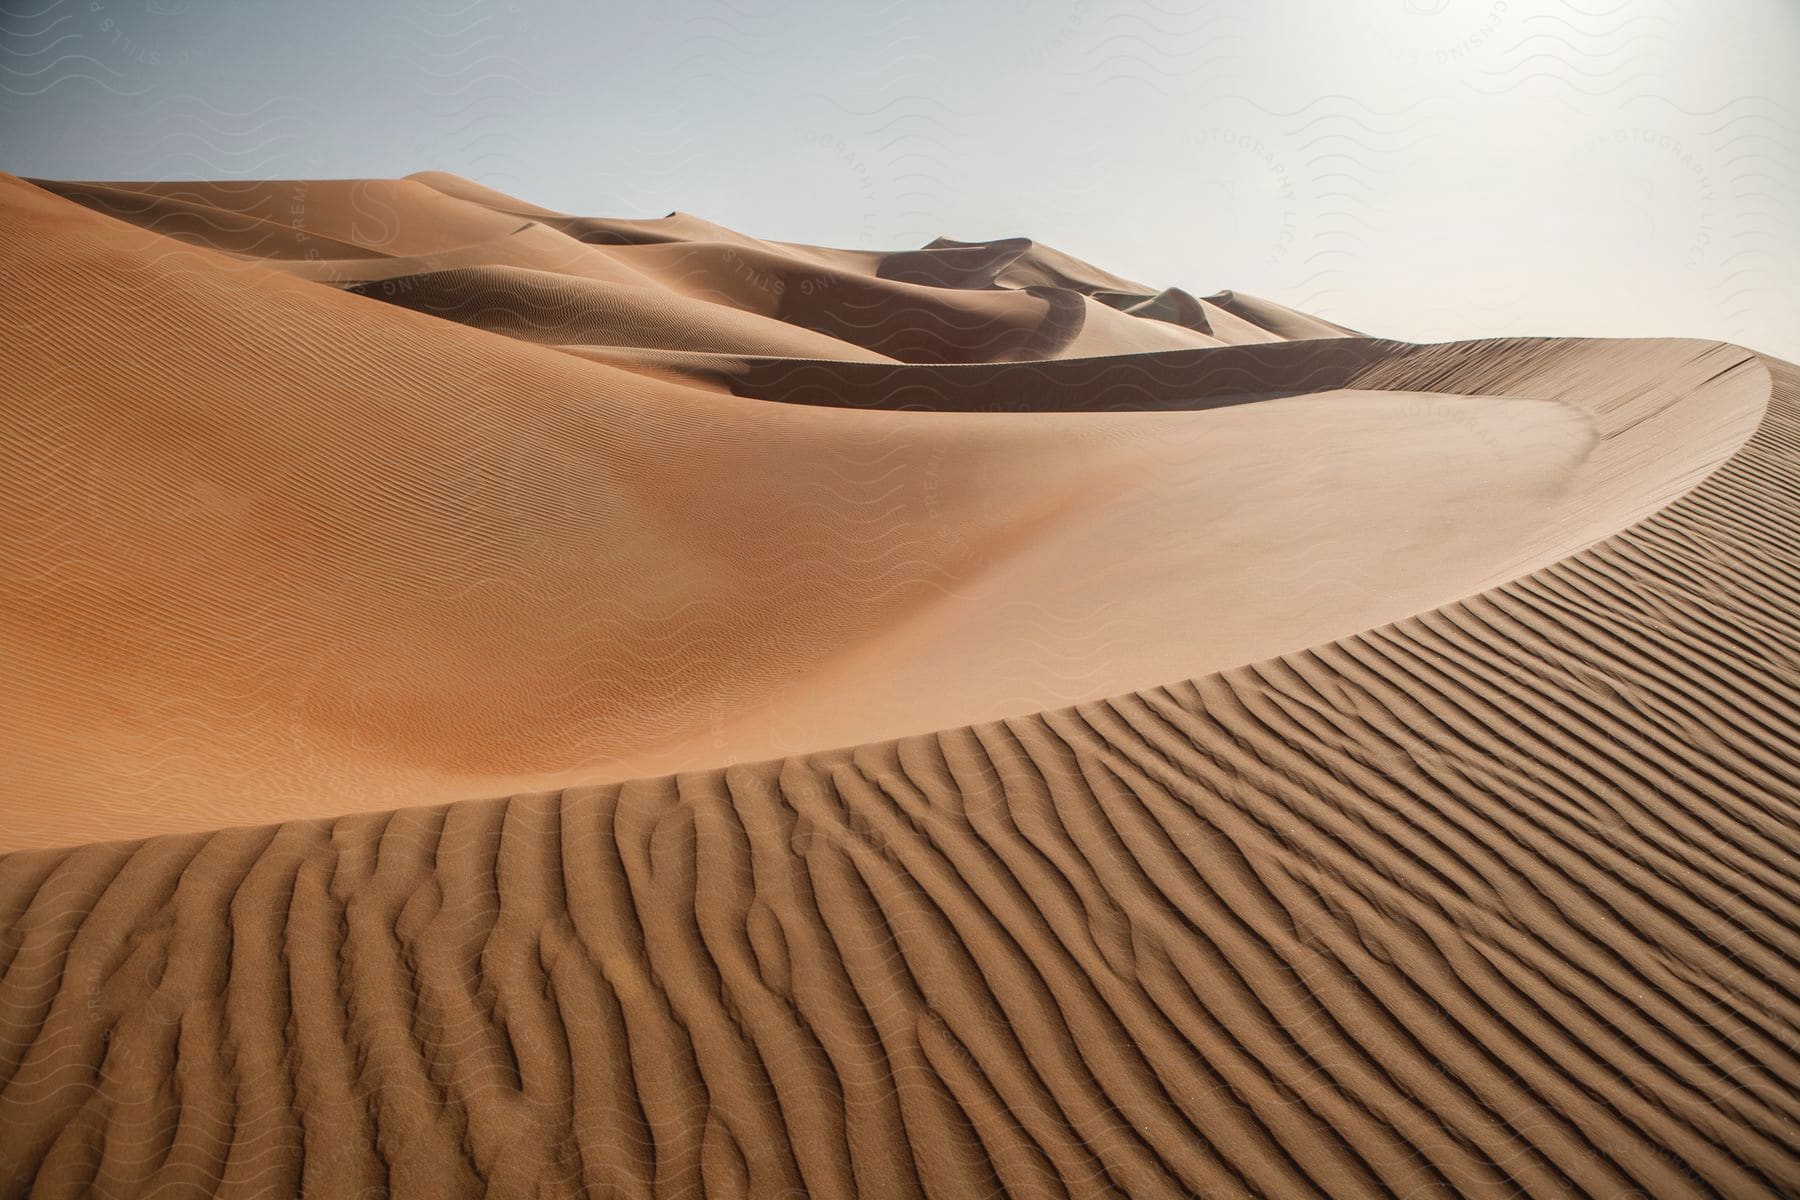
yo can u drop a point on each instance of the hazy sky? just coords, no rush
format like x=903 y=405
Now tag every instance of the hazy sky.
x=1419 y=168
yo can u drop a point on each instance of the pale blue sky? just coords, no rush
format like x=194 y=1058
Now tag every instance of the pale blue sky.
x=1420 y=168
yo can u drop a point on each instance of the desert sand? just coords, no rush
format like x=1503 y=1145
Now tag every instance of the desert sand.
x=975 y=724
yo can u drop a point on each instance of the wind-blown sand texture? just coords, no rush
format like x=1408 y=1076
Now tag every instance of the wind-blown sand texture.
x=1483 y=878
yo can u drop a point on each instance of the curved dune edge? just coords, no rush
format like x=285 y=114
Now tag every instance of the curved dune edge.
x=286 y=551
x=1498 y=900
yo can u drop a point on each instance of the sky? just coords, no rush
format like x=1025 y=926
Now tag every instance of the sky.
x=1424 y=169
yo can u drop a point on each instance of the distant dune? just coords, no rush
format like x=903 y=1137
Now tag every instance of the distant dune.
x=1286 y=762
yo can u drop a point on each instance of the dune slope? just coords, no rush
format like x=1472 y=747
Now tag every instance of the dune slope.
x=288 y=549
x=1479 y=880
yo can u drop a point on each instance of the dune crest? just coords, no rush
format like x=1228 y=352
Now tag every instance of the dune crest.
x=446 y=532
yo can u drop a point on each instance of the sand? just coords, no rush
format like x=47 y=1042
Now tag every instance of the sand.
x=1287 y=762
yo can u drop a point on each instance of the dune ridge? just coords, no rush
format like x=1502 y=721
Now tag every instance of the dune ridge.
x=1494 y=896
x=290 y=541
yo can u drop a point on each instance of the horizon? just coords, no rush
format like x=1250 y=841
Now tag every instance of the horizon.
x=1582 y=172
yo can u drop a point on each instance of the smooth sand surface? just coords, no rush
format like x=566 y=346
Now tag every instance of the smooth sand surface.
x=318 y=549
x=343 y=497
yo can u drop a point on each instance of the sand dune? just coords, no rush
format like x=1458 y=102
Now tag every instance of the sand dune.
x=341 y=497
x=313 y=542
